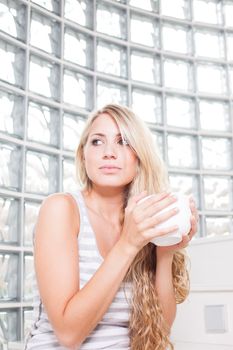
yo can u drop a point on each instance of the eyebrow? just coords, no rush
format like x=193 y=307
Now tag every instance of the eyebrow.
x=100 y=134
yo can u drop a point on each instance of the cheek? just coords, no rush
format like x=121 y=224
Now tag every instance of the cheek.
x=89 y=160
x=132 y=163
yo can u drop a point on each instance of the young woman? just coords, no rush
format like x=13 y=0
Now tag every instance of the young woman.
x=102 y=284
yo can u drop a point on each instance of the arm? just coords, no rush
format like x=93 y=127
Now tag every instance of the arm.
x=73 y=313
x=164 y=286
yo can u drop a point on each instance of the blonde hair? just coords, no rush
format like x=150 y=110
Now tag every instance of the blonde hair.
x=148 y=329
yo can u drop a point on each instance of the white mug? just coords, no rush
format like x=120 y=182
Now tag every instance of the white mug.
x=181 y=219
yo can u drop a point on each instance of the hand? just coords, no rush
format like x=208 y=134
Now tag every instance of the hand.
x=142 y=218
x=186 y=238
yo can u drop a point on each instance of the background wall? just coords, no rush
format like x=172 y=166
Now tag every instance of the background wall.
x=211 y=285
x=172 y=62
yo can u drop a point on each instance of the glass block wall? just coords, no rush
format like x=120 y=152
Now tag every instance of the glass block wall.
x=172 y=61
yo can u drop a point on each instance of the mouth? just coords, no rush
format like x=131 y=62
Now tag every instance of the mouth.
x=108 y=169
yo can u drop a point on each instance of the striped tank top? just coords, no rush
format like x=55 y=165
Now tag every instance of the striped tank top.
x=112 y=331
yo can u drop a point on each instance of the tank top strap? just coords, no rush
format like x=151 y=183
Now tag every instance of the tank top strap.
x=77 y=195
x=86 y=237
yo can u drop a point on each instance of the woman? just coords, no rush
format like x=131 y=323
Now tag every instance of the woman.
x=102 y=284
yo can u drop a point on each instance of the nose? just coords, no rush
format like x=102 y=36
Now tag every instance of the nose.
x=109 y=151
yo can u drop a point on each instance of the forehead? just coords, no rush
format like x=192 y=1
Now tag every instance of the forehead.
x=104 y=123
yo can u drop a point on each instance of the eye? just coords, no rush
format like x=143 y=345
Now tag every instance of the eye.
x=123 y=142
x=96 y=142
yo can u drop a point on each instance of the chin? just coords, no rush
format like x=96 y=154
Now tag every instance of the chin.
x=112 y=183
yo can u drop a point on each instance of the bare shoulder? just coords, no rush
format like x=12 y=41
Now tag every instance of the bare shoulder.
x=58 y=208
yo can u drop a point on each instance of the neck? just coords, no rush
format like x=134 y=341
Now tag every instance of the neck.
x=105 y=203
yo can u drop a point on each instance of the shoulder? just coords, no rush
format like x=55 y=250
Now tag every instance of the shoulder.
x=60 y=207
x=59 y=202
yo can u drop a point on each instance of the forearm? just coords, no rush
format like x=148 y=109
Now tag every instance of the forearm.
x=87 y=307
x=164 y=286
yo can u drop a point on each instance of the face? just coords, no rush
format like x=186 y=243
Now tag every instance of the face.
x=109 y=160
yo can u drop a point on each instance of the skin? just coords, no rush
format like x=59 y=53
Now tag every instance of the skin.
x=74 y=313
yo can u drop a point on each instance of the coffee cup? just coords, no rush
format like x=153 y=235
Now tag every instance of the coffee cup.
x=180 y=219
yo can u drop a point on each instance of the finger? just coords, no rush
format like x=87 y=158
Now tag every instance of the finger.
x=194 y=213
x=153 y=221
x=133 y=200
x=182 y=244
x=194 y=226
x=152 y=200
x=153 y=233
x=154 y=208
x=193 y=208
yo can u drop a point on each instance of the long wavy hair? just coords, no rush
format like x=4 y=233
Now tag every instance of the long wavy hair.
x=148 y=328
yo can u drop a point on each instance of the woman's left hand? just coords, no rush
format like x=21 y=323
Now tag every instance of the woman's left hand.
x=185 y=239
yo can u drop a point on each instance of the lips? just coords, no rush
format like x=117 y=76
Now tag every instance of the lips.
x=109 y=167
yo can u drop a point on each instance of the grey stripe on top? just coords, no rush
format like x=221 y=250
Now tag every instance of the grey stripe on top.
x=112 y=330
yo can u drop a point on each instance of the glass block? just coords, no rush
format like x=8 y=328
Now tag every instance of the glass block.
x=110 y=93
x=10 y=165
x=13 y=18
x=187 y=184
x=209 y=44
x=69 y=181
x=51 y=5
x=42 y=124
x=218 y=226
x=144 y=31
x=214 y=115
x=31 y=211
x=9 y=330
x=28 y=278
x=28 y=319
x=148 y=5
x=216 y=153
x=9 y=220
x=44 y=78
x=43 y=167
x=211 y=7
x=231 y=79
x=147 y=105
x=229 y=42
x=12 y=114
x=178 y=75
x=79 y=11
x=77 y=89
x=151 y=67
x=217 y=193
x=175 y=8
x=45 y=33
x=182 y=151
x=78 y=48
x=180 y=112
x=9 y=273
x=12 y=64
x=228 y=13
x=211 y=78
x=72 y=129
x=111 y=59
x=176 y=38
x=111 y=20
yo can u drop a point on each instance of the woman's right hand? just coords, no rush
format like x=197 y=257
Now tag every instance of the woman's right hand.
x=142 y=218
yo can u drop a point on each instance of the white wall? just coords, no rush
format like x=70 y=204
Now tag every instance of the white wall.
x=211 y=284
